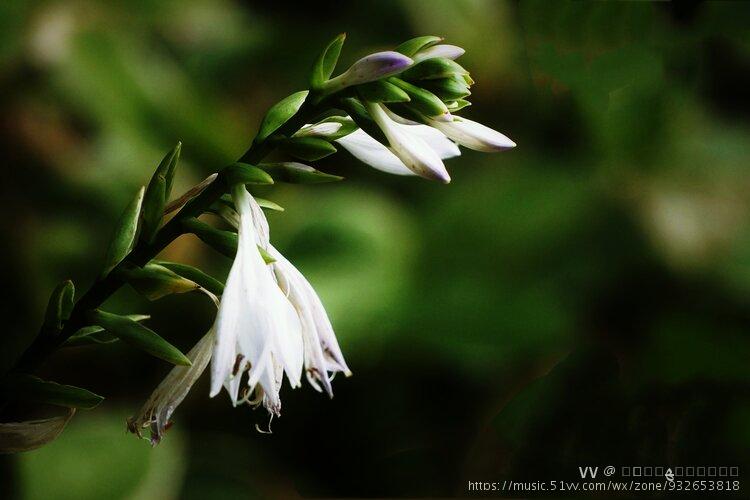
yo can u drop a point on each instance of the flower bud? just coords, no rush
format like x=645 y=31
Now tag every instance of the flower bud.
x=474 y=135
x=370 y=68
x=444 y=51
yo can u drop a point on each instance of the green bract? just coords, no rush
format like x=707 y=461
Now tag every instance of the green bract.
x=307 y=148
x=382 y=91
x=125 y=233
x=157 y=193
x=280 y=113
x=422 y=100
x=296 y=173
x=32 y=388
x=60 y=306
x=411 y=47
x=326 y=62
x=154 y=281
x=244 y=173
x=133 y=333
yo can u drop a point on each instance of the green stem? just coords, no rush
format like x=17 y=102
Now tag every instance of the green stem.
x=44 y=345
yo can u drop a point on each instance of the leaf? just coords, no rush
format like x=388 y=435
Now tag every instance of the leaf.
x=297 y=173
x=267 y=258
x=326 y=62
x=123 y=239
x=307 y=148
x=362 y=118
x=95 y=334
x=138 y=336
x=434 y=68
x=30 y=388
x=280 y=113
x=244 y=173
x=382 y=91
x=158 y=192
x=448 y=89
x=154 y=281
x=411 y=47
x=194 y=274
x=224 y=242
x=60 y=306
x=270 y=205
x=422 y=100
x=32 y=434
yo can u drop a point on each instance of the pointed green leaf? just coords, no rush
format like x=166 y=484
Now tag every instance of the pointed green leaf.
x=457 y=105
x=437 y=67
x=362 y=118
x=32 y=388
x=124 y=237
x=422 y=100
x=267 y=257
x=244 y=173
x=158 y=192
x=326 y=62
x=280 y=113
x=382 y=91
x=307 y=148
x=195 y=275
x=154 y=281
x=411 y=47
x=224 y=242
x=264 y=203
x=138 y=336
x=95 y=334
x=59 y=307
x=297 y=173
x=448 y=89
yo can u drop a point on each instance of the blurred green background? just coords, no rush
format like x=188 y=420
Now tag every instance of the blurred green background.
x=581 y=300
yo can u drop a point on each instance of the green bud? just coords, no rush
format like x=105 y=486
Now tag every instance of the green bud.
x=326 y=62
x=154 y=281
x=30 y=388
x=59 y=307
x=280 y=113
x=297 y=173
x=124 y=237
x=307 y=148
x=244 y=173
x=448 y=89
x=411 y=47
x=138 y=336
x=422 y=100
x=437 y=67
x=382 y=91
x=347 y=126
x=157 y=194
x=362 y=118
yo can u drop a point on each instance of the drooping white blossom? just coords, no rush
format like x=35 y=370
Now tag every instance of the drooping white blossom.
x=474 y=135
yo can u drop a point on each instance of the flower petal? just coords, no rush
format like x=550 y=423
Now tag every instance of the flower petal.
x=474 y=135
x=369 y=151
x=444 y=50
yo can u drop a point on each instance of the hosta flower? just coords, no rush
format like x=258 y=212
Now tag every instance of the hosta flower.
x=408 y=144
x=257 y=328
x=322 y=352
x=443 y=50
x=159 y=407
x=474 y=135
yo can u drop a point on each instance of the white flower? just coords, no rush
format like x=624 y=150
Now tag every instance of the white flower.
x=473 y=135
x=443 y=50
x=159 y=407
x=257 y=328
x=322 y=352
x=412 y=149
x=323 y=129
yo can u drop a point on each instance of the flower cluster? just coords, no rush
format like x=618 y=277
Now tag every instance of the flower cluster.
x=395 y=111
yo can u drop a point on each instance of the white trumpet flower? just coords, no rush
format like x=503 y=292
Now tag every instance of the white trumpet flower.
x=257 y=328
x=443 y=50
x=412 y=149
x=473 y=135
x=168 y=395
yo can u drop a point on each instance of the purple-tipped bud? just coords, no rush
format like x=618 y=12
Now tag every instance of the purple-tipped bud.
x=369 y=68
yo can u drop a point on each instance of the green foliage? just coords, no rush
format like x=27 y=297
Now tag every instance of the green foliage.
x=295 y=173
x=95 y=334
x=243 y=173
x=59 y=306
x=382 y=91
x=280 y=113
x=157 y=194
x=32 y=388
x=135 y=334
x=154 y=281
x=326 y=62
x=411 y=47
x=421 y=100
x=307 y=148
x=195 y=275
x=125 y=233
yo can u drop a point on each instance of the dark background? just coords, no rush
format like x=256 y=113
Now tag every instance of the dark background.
x=581 y=300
